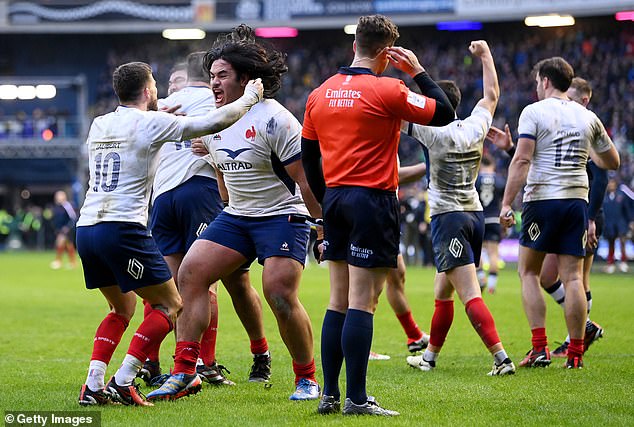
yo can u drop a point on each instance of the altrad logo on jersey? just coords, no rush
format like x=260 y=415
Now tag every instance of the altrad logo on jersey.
x=233 y=154
x=235 y=165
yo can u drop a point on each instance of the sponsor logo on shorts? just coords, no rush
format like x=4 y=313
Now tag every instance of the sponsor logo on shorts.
x=358 y=252
x=135 y=268
x=455 y=247
x=584 y=238
x=201 y=228
x=284 y=247
x=533 y=231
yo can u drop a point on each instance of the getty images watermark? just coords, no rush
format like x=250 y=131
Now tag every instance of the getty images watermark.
x=52 y=418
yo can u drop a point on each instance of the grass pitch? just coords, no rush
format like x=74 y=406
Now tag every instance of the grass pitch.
x=49 y=319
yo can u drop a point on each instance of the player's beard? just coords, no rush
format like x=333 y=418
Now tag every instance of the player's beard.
x=153 y=104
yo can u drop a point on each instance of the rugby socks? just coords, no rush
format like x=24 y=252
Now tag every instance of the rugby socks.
x=500 y=357
x=208 y=342
x=331 y=352
x=492 y=282
x=575 y=348
x=539 y=339
x=126 y=373
x=96 y=375
x=482 y=321
x=107 y=337
x=410 y=327
x=259 y=346
x=441 y=322
x=153 y=354
x=150 y=334
x=430 y=357
x=482 y=277
x=186 y=357
x=356 y=340
x=304 y=371
x=589 y=299
x=557 y=291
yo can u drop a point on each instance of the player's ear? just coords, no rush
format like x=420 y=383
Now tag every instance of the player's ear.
x=354 y=46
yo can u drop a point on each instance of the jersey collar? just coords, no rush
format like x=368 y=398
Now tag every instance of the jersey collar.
x=355 y=71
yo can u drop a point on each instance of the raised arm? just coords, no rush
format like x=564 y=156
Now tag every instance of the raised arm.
x=406 y=61
x=223 y=117
x=490 y=86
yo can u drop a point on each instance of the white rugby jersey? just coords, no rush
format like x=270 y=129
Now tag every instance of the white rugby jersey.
x=122 y=150
x=177 y=162
x=252 y=153
x=563 y=131
x=454 y=153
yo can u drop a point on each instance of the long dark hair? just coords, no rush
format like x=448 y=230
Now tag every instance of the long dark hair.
x=250 y=58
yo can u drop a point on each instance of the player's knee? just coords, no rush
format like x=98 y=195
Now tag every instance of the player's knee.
x=125 y=310
x=279 y=297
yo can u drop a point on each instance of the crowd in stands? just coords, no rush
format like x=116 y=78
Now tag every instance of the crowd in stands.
x=37 y=125
x=599 y=51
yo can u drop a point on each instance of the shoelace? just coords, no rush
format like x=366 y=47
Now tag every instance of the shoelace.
x=139 y=392
x=260 y=366
x=222 y=370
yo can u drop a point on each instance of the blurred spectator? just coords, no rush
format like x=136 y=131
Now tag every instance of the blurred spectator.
x=616 y=208
x=64 y=219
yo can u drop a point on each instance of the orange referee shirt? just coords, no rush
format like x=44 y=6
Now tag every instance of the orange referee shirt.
x=356 y=117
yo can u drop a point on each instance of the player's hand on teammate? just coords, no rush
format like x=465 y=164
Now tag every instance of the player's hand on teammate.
x=479 y=48
x=255 y=88
x=507 y=216
x=501 y=138
x=404 y=60
x=172 y=110
x=198 y=147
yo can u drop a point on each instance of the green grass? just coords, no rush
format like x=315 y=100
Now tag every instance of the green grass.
x=49 y=318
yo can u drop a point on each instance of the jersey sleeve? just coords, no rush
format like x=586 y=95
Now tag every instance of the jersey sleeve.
x=478 y=124
x=308 y=129
x=283 y=133
x=600 y=140
x=423 y=134
x=527 y=127
x=162 y=127
x=405 y=104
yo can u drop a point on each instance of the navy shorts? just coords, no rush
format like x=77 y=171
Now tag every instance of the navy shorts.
x=457 y=239
x=120 y=253
x=615 y=228
x=260 y=237
x=492 y=232
x=555 y=226
x=180 y=215
x=361 y=226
